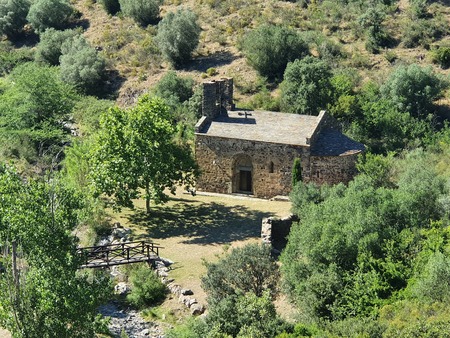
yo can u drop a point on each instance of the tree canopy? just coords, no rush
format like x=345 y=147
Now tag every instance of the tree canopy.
x=178 y=36
x=135 y=150
x=42 y=294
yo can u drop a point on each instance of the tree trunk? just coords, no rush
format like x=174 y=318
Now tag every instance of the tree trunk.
x=147 y=197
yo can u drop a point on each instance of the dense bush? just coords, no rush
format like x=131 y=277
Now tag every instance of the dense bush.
x=354 y=248
x=146 y=288
x=178 y=36
x=111 y=6
x=306 y=87
x=45 y=14
x=175 y=88
x=413 y=89
x=441 y=56
x=13 y=15
x=11 y=57
x=49 y=48
x=270 y=48
x=81 y=66
x=144 y=12
x=372 y=21
x=246 y=269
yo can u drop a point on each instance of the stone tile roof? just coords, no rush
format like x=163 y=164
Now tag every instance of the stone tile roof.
x=334 y=143
x=263 y=126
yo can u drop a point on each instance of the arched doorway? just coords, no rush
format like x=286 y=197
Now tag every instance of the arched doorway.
x=243 y=174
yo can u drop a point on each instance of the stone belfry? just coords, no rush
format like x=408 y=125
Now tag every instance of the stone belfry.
x=217 y=97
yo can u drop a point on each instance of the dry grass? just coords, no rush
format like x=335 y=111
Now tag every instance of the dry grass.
x=196 y=228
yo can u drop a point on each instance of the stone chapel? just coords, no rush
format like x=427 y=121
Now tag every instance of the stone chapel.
x=252 y=152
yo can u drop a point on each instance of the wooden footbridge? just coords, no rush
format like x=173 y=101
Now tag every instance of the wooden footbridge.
x=118 y=254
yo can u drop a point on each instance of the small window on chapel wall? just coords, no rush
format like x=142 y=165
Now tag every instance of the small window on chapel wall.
x=271 y=167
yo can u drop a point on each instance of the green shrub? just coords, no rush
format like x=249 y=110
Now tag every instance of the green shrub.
x=13 y=15
x=178 y=36
x=246 y=269
x=270 y=48
x=175 y=88
x=441 y=56
x=306 y=87
x=144 y=12
x=49 y=48
x=413 y=89
x=11 y=57
x=146 y=287
x=81 y=66
x=111 y=6
x=45 y=14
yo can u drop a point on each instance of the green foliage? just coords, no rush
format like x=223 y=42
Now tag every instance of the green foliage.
x=144 y=12
x=87 y=112
x=270 y=48
x=296 y=171
x=45 y=14
x=81 y=65
x=111 y=6
x=413 y=89
x=34 y=110
x=11 y=57
x=352 y=251
x=49 y=297
x=441 y=56
x=433 y=283
x=245 y=316
x=377 y=168
x=422 y=32
x=135 y=150
x=146 y=289
x=178 y=36
x=174 y=88
x=306 y=87
x=246 y=269
x=13 y=15
x=49 y=48
x=372 y=21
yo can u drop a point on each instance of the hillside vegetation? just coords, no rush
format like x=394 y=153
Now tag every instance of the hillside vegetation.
x=98 y=100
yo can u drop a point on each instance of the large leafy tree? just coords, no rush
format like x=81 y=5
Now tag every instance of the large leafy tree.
x=178 y=36
x=135 y=150
x=42 y=293
x=306 y=88
x=270 y=48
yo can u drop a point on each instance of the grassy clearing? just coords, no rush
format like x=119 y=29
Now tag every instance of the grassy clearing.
x=196 y=228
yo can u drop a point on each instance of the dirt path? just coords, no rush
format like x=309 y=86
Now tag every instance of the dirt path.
x=196 y=228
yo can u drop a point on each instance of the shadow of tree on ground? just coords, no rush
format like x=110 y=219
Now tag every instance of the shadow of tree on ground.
x=201 y=223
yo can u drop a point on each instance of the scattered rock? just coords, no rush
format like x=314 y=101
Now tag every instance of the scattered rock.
x=122 y=289
x=186 y=292
x=197 y=309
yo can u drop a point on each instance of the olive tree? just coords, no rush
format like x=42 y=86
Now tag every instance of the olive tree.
x=13 y=14
x=144 y=12
x=81 y=66
x=178 y=36
x=44 y=14
x=270 y=48
x=49 y=48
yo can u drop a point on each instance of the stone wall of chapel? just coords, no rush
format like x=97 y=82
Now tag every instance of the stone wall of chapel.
x=333 y=169
x=271 y=165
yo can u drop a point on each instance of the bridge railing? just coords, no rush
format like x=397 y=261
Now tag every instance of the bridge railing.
x=120 y=253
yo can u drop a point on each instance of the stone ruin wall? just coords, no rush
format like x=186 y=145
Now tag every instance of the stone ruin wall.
x=333 y=169
x=274 y=231
x=216 y=156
